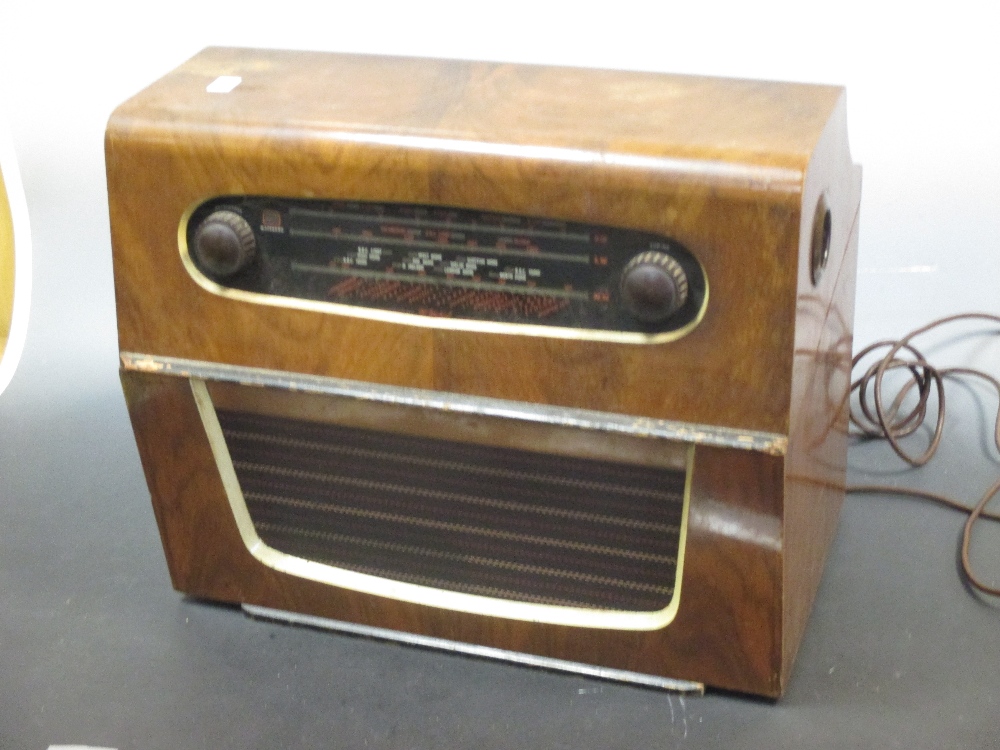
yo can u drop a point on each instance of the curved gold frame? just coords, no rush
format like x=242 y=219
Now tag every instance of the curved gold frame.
x=425 y=595
x=15 y=261
x=454 y=324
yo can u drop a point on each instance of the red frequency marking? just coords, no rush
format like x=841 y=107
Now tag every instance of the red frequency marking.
x=430 y=299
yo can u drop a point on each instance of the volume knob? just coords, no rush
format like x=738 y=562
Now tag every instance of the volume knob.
x=224 y=243
x=653 y=286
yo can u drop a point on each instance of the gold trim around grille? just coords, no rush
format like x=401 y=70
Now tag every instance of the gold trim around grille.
x=419 y=594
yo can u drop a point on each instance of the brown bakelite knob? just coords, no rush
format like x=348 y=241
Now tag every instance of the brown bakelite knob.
x=653 y=286
x=224 y=243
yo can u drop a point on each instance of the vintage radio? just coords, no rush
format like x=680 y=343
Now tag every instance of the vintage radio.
x=15 y=261
x=526 y=361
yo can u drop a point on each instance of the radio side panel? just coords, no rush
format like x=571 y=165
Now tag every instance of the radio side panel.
x=816 y=465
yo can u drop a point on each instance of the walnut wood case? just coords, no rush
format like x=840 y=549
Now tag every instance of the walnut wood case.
x=753 y=178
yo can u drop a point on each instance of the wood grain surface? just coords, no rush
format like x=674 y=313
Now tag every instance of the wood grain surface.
x=726 y=633
x=732 y=169
x=721 y=166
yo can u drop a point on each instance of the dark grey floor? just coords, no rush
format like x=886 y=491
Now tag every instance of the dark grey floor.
x=96 y=648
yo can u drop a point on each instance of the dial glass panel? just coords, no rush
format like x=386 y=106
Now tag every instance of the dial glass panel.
x=447 y=263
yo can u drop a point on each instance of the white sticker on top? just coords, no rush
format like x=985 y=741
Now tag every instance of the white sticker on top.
x=223 y=84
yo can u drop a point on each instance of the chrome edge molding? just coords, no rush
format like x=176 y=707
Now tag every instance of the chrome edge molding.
x=485 y=652
x=722 y=437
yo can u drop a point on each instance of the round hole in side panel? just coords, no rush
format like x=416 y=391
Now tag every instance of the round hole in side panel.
x=820 y=253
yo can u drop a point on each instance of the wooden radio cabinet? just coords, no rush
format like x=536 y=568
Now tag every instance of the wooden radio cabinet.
x=545 y=360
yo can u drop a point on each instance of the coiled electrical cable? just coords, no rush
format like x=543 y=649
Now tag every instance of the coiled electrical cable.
x=879 y=416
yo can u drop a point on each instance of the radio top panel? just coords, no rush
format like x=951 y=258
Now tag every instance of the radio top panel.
x=443 y=225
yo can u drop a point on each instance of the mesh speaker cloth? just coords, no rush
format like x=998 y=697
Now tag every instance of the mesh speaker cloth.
x=498 y=522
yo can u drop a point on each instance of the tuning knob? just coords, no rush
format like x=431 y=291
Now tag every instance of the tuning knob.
x=653 y=286
x=224 y=243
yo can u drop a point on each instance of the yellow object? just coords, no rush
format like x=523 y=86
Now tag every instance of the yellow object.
x=6 y=266
x=15 y=273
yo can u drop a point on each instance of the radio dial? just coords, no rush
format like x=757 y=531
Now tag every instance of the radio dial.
x=654 y=286
x=224 y=243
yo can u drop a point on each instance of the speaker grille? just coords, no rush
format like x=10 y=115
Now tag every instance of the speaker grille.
x=498 y=522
